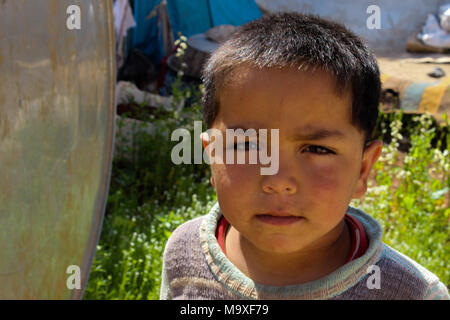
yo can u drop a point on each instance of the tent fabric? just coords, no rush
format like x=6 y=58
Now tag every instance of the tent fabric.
x=146 y=35
x=188 y=17
x=197 y=16
x=234 y=12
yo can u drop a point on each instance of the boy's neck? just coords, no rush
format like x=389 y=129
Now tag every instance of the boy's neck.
x=288 y=269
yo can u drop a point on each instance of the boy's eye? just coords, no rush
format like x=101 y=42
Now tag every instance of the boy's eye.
x=245 y=146
x=319 y=150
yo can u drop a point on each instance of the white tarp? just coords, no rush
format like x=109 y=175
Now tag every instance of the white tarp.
x=399 y=19
x=434 y=32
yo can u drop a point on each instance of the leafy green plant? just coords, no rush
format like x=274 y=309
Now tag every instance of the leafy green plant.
x=149 y=197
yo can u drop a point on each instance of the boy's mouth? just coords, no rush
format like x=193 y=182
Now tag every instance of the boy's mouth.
x=279 y=218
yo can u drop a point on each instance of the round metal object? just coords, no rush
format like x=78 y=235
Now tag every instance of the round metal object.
x=56 y=137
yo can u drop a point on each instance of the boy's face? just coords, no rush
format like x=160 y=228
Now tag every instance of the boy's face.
x=314 y=183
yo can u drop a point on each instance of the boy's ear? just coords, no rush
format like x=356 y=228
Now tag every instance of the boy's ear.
x=205 y=141
x=370 y=156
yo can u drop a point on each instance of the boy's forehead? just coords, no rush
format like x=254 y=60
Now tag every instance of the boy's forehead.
x=310 y=94
x=247 y=74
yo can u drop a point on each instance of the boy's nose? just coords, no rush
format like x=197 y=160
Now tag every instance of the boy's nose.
x=279 y=184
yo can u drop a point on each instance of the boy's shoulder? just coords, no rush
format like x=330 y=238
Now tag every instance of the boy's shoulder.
x=186 y=274
x=398 y=276
x=411 y=278
x=184 y=235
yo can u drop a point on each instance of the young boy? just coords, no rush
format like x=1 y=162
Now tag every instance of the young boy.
x=292 y=234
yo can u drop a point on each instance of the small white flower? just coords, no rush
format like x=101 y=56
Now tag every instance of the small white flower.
x=377 y=190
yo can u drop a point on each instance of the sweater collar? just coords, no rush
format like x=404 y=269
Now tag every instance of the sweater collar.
x=324 y=288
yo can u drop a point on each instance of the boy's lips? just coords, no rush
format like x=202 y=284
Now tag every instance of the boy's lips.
x=279 y=218
x=278 y=214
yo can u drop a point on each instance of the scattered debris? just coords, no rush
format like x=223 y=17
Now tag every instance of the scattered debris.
x=220 y=33
x=127 y=93
x=440 y=60
x=437 y=73
x=416 y=97
x=435 y=36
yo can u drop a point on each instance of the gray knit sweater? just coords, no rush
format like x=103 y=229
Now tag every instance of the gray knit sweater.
x=194 y=267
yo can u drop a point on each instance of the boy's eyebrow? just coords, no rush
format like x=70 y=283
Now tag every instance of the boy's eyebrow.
x=243 y=127
x=316 y=134
x=305 y=133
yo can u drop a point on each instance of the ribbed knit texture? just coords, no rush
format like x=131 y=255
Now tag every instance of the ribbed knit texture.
x=194 y=267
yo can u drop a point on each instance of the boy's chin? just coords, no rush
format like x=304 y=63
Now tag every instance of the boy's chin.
x=279 y=246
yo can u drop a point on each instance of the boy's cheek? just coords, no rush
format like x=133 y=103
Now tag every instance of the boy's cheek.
x=324 y=185
x=325 y=180
x=230 y=175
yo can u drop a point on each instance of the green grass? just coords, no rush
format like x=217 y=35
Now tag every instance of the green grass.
x=149 y=197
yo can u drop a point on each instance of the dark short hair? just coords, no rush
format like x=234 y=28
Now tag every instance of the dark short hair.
x=298 y=40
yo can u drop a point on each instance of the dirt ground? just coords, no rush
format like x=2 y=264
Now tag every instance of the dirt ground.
x=412 y=66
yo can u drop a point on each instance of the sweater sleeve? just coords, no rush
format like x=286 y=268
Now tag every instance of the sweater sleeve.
x=436 y=291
